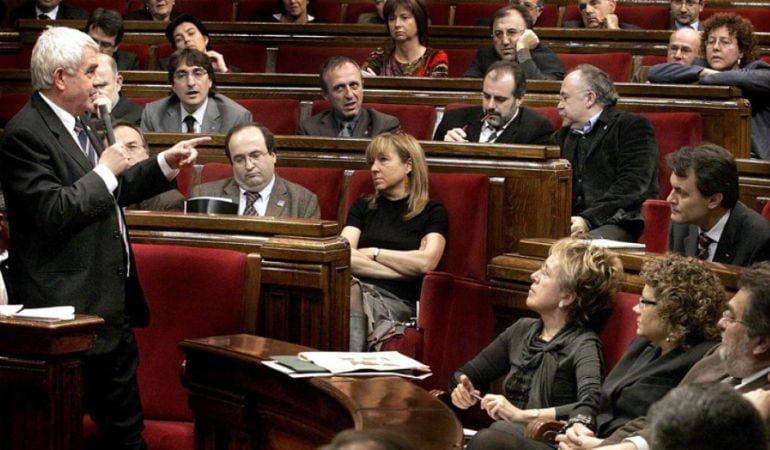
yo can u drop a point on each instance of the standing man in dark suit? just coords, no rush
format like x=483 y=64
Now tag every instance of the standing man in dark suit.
x=194 y=105
x=614 y=157
x=514 y=40
x=254 y=186
x=742 y=360
x=69 y=242
x=343 y=87
x=707 y=220
x=47 y=10
x=105 y=26
x=598 y=14
x=500 y=119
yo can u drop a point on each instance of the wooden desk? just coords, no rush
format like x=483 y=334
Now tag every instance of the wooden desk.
x=240 y=404
x=41 y=382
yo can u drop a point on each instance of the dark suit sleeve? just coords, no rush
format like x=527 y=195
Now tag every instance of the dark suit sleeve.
x=754 y=80
x=540 y=64
x=542 y=134
x=302 y=130
x=455 y=118
x=674 y=73
x=475 y=69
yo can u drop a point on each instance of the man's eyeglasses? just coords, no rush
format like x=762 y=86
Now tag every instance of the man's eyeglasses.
x=729 y=316
x=643 y=302
x=196 y=74
x=254 y=157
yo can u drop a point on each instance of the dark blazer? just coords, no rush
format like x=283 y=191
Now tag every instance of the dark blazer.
x=66 y=245
x=286 y=200
x=710 y=369
x=640 y=378
x=543 y=64
x=66 y=12
x=528 y=127
x=744 y=241
x=221 y=115
x=126 y=60
x=370 y=124
x=171 y=200
x=127 y=110
x=580 y=24
x=618 y=172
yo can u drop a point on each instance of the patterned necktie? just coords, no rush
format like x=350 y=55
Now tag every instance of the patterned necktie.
x=347 y=129
x=189 y=122
x=493 y=136
x=85 y=144
x=703 y=246
x=251 y=199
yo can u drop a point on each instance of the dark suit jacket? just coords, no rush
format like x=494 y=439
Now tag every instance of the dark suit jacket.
x=638 y=381
x=66 y=245
x=221 y=115
x=745 y=239
x=126 y=60
x=127 y=110
x=171 y=200
x=580 y=24
x=619 y=171
x=542 y=65
x=66 y=12
x=370 y=124
x=709 y=369
x=286 y=200
x=528 y=127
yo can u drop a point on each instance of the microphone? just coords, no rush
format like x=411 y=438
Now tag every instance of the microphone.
x=104 y=114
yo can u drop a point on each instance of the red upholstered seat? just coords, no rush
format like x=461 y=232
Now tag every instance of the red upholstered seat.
x=252 y=10
x=766 y=211
x=461 y=59
x=617 y=65
x=246 y=57
x=469 y=14
x=141 y=101
x=266 y=112
x=651 y=60
x=207 y=10
x=552 y=113
x=619 y=330
x=417 y=120
x=325 y=183
x=17 y=60
x=327 y=11
x=308 y=59
x=91 y=5
x=456 y=293
x=184 y=180
x=657 y=219
x=187 y=300
x=142 y=51
x=647 y=17
x=759 y=17
x=438 y=12
x=10 y=104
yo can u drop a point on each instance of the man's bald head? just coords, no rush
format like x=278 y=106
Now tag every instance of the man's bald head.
x=684 y=46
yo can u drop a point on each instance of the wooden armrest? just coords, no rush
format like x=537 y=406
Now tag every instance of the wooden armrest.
x=544 y=430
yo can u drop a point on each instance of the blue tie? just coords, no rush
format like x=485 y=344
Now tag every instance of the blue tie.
x=85 y=144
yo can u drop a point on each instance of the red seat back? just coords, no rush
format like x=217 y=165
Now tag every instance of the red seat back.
x=549 y=17
x=651 y=60
x=326 y=11
x=207 y=10
x=552 y=113
x=264 y=111
x=416 y=120
x=619 y=330
x=305 y=59
x=246 y=57
x=142 y=101
x=91 y=5
x=647 y=17
x=253 y=10
x=10 y=104
x=461 y=59
x=184 y=180
x=469 y=14
x=759 y=17
x=438 y=13
x=142 y=51
x=17 y=60
x=215 y=171
x=617 y=65
x=355 y=9
x=465 y=196
x=187 y=300
x=766 y=211
x=657 y=219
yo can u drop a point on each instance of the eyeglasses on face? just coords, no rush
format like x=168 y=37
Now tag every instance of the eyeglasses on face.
x=643 y=302
x=197 y=74
x=729 y=316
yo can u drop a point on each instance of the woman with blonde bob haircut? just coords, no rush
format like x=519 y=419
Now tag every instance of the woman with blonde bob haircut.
x=551 y=363
x=396 y=236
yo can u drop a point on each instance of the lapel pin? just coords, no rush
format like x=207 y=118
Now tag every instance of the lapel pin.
x=281 y=203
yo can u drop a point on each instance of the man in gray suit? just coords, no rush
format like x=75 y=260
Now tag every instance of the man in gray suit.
x=707 y=220
x=343 y=87
x=194 y=106
x=254 y=186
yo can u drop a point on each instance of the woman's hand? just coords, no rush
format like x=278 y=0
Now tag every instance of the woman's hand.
x=706 y=72
x=499 y=408
x=461 y=395
x=578 y=437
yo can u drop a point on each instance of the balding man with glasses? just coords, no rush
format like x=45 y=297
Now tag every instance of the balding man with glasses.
x=194 y=106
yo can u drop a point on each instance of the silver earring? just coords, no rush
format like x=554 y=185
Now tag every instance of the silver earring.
x=561 y=304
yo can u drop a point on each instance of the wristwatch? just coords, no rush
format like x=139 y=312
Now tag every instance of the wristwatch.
x=375 y=253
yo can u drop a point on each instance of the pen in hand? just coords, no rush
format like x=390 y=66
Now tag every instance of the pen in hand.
x=476 y=396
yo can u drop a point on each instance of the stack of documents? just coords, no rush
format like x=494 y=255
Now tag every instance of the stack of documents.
x=315 y=364
x=53 y=313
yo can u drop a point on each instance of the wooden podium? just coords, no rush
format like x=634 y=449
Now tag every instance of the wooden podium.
x=41 y=382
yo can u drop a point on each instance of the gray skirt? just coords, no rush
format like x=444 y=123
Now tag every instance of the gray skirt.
x=386 y=314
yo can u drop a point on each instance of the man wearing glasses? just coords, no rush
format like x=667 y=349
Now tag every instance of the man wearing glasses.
x=514 y=40
x=686 y=13
x=254 y=186
x=105 y=26
x=194 y=106
x=742 y=360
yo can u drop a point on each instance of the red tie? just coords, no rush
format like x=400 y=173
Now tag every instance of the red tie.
x=703 y=246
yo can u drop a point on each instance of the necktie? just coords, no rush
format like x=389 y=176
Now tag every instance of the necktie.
x=347 y=129
x=493 y=136
x=85 y=144
x=251 y=198
x=703 y=246
x=189 y=122
x=43 y=17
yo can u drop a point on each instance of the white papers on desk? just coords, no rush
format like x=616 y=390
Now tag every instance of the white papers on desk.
x=50 y=313
x=343 y=362
x=616 y=245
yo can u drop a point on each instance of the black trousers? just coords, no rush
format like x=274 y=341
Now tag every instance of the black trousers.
x=112 y=395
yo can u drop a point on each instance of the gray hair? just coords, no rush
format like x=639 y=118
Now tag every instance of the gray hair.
x=58 y=47
x=599 y=82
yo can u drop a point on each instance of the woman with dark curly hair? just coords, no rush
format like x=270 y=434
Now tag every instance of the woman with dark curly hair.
x=554 y=362
x=681 y=304
x=410 y=56
x=731 y=53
